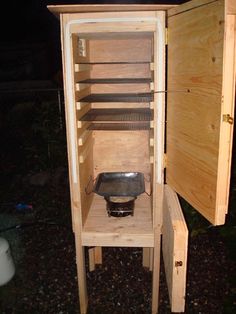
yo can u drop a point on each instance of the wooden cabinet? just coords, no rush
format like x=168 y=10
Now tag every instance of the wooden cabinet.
x=147 y=98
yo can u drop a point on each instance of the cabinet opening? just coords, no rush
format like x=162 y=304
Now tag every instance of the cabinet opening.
x=114 y=94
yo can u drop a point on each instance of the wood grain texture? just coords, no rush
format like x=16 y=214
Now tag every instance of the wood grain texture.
x=120 y=70
x=231 y=7
x=130 y=231
x=174 y=247
x=121 y=151
x=57 y=9
x=189 y=5
x=120 y=50
x=195 y=53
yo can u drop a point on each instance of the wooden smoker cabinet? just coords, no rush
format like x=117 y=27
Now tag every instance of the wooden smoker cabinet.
x=148 y=88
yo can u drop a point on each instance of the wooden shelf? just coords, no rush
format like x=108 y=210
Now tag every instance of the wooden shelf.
x=116 y=81
x=119 y=126
x=130 y=114
x=130 y=231
x=132 y=97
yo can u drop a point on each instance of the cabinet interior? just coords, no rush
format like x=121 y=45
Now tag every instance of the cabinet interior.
x=114 y=95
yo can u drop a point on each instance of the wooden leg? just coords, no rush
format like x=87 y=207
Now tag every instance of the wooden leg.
x=91 y=254
x=98 y=254
x=156 y=272
x=148 y=257
x=81 y=274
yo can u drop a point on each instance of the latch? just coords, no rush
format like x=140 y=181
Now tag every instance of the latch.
x=228 y=118
x=178 y=263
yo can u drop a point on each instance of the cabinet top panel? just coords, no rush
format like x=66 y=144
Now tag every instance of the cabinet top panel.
x=58 y=9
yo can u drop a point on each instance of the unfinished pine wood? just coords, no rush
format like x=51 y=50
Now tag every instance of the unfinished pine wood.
x=120 y=88
x=57 y=9
x=189 y=6
x=121 y=151
x=231 y=7
x=120 y=71
x=84 y=137
x=226 y=129
x=118 y=97
x=121 y=105
x=91 y=255
x=148 y=258
x=122 y=50
x=130 y=231
x=86 y=151
x=74 y=186
x=195 y=53
x=82 y=109
x=174 y=246
x=98 y=254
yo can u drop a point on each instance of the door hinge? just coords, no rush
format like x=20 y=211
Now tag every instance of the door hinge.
x=165 y=160
x=228 y=118
x=166 y=36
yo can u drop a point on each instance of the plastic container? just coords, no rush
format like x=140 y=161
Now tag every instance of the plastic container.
x=7 y=267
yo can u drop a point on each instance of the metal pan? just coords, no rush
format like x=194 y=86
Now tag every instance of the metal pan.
x=119 y=184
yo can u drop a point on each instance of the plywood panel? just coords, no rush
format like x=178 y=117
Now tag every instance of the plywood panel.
x=57 y=9
x=122 y=50
x=120 y=88
x=130 y=231
x=121 y=151
x=174 y=246
x=141 y=70
x=195 y=53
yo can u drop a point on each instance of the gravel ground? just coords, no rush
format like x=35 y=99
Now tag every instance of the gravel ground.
x=46 y=279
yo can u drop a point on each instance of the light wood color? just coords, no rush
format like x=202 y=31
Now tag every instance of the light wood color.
x=148 y=258
x=194 y=141
x=130 y=231
x=91 y=257
x=80 y=55
x=231 y=7
x=98 y=254
x=58 y=9
x=121 y=151
x=189 y=5
x=122 y=50
x=226 y=129
x=95 y=257
x=119 y=88
x=123 y=105
x=174 y=247
x=74 y=186
x=141 y=70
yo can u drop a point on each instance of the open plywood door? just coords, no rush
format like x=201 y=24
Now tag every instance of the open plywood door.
x=200 y=104
x=174 y=247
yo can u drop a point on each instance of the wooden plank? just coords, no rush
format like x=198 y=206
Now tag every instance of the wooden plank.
x=84 y=137
x=74 y=186
x=98 y=254
x=226 y=129
x=121 y=50
x=174 y=246
x=130 y=231
x=120 y=88
x=91 y=255
x=148 y=258
x=81 y=75
x=58 y=9
x=231 y=7
x=121 y=70
x=189 y=6
x=85 y=152
x=194 y=139
x=130 y=152
x=121 y=105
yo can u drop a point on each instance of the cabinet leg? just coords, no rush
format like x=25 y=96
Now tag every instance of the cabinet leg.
x=148 y=257
x=81 y=274
x=156 y=273
x=98 y=254
x=91 y=255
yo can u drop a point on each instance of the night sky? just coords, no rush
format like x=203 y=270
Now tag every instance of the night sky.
x=29 y=22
